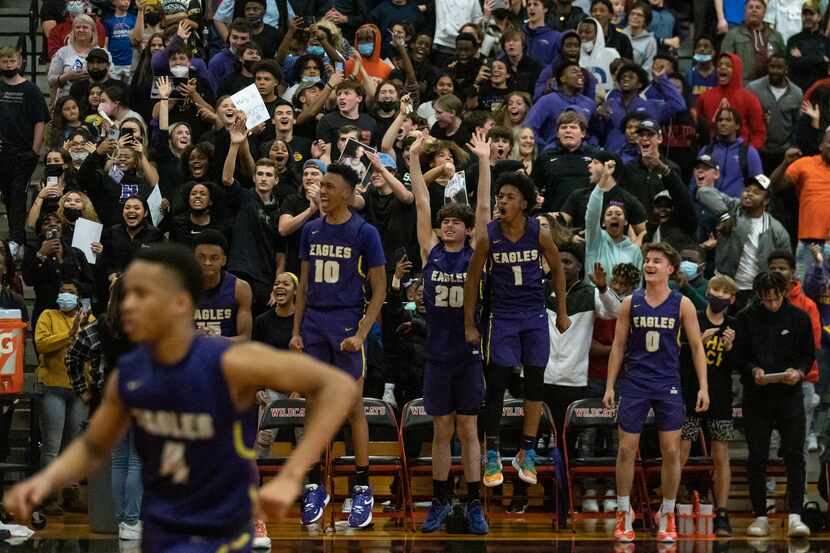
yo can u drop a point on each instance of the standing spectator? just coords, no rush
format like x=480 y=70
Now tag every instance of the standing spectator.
x=62 y=412
x=542 y=41
x=594 y=55
x=98 y=72
x=561 y=169
x=223 y=63
x=119 y=25
x=122 y=241
x=781 y=101
x=810 y=176
x=248 y=56
x=747 y=233
x=69 y=62
x=702 y=75
x=67 y=12
x=729 y=92
x=736 y=159
x=545 y=113
x=642 y=40
x=449 y=18
x=650 y=173
x=783 y=16
x=523 y=69
x=754 y=41
x=266 y=36
x=23 y=117
x=350 y=96
x=601 y=10
x=808 y=51
x=564 y=16
x=773 y=336
x=664 y=26
x=367 y=43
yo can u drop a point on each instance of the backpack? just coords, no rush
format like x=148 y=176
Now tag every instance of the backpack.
x=743 y=148
x=813 y=517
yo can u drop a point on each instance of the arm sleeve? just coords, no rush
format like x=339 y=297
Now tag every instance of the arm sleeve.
x=606 y=304
x=683 y=207
x=372 y=247
x=753 y=161
x=673 y=103
x=714 y=200
x=806 y=349
x=757 y=123
x=46 y=339
x=593 y=217
x=78 y=353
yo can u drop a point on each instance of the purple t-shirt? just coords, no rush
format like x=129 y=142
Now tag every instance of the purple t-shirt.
x=339 y=257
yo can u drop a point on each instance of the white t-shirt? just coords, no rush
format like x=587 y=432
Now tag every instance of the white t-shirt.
x=777 y=92
x=748 y=264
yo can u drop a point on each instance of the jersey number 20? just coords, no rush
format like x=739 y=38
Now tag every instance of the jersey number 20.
x=326 y=271
x=173 y=462
x=449 y=296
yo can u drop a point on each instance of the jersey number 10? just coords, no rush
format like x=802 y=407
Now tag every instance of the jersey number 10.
x=326 y=271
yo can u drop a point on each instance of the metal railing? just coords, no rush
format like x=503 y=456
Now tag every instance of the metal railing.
x=26 y=42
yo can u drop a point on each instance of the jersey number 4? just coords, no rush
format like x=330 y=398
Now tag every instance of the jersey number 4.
x=326 y=271
x=173 y=462
x=449 y=296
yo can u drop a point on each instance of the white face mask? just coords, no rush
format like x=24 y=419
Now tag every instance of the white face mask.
x=587 y=47
x=179 y=71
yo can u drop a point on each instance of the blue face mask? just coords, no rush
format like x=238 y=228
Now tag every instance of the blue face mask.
x=702 y=58
x=316 y=51
x=67 y=301
x=366 y=49
x=409 y=306
x=690 y=269
x=310 y=80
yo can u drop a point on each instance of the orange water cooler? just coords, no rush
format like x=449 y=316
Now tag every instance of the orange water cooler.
x=12 y=353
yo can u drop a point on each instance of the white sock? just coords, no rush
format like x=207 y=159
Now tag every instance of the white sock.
x=668 y=506
x=794 y=518
x=389 y=386
x=623 y=503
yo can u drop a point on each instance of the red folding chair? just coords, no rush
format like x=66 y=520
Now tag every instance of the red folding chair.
x=587 y=414
x=383 y=428
x=283 y=416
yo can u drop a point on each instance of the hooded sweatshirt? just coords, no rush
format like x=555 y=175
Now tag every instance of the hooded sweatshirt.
x=599 y=59
x=544 y=113
x=374 y=64
x=542 y=44
x=599 y=246
x=733 y=94
x=589 y=89
x=644 y=46
x=799 y=299
x=727 y=154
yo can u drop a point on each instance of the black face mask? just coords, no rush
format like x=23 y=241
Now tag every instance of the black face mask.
x=249 y=65
x=71 y=214
x=97 y=74
x=54 y=170
x=717 y=305
x=152 y=18
x=9 y=73
x=388 y=105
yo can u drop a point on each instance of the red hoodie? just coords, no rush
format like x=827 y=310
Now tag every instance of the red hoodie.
x=754 y=126
x=799 y=299
x=374 y=65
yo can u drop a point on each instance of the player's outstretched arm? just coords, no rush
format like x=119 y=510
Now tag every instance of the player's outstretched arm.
x=250 y=367
x=551 y=253
x=471 y=285
x=615 y=359
x=423 y=210
x=80 y=459
x=691 y=326
x=480 y=146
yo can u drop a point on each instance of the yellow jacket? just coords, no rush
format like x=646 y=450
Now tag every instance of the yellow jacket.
x=52 y=340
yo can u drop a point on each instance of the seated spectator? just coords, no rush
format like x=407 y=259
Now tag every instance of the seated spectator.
x=66 y=117
x=737 y=160
x=729 y=92
x=605 y=240
x=753 y=41
x=746 y=235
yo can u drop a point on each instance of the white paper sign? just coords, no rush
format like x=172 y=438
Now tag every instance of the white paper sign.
x=154 y=203
x=456 y=190
x=86 y=232
x=249 y=100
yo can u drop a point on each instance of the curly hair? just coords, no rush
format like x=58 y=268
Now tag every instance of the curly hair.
x=431 y=149
x=87 y=211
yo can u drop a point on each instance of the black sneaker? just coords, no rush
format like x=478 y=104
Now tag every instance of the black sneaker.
x=721 y=524
x=517 y=506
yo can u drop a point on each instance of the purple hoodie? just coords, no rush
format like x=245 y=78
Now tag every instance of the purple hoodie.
x=542 y=44
x=589 y=89
x=544 y=113
x=817 y=287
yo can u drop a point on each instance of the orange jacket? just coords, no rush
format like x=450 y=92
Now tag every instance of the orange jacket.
x=799 y=299
x=374 y=64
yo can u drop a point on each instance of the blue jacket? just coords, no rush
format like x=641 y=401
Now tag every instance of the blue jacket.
x=542 y=44
x=727 y=156
x=544 y=113
x=665 y=102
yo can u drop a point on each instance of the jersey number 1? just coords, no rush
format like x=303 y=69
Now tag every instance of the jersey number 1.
x=173 y=462
x=652 y=341
x=517 y=275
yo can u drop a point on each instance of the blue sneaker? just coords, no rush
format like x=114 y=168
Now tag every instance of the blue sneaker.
x=475 y=518
x=315 y=500
x=525 y=464
x=436 y=516
x=492 y=469
x=362 y=503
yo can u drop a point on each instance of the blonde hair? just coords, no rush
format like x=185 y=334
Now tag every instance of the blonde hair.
x=515 y=153
x=86 y=20
x=87 y=211
x=724 y=284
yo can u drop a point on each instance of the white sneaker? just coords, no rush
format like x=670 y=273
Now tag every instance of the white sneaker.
x=590 y=503
x=389 y=395
x=797 y=528
x=16 y=250
x=812 y=443
x=129 y=531
x=609 y=504
x=759 y=528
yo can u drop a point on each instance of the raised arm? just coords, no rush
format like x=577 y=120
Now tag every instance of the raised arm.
x=238 y=136
x=479 y=145
x=779 y=178
x=423 y=211
x=398 y=189
x=387 y=144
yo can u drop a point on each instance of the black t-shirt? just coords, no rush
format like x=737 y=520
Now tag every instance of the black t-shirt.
x=492 y=99
x=461 y=136
x=301 y=147
x=270 y=328
x=21 y=107
x=577 y=204
x=294 y=205
x=268 y=39
x=330 y=124
x=233 y=83
x=719 y=369
x=394 y=220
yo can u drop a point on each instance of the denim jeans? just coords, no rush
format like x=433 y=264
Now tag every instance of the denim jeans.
x=61 y=417
x=126 y=480
x=804 y=258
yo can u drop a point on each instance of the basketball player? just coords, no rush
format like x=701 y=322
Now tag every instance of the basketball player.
x=647 y=339
x=517 y=333
x=336 y=253
x=453 y=377
x=225 y=307
x=192 y=400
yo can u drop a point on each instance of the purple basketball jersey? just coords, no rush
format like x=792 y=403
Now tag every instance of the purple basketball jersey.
x=516 y=271
x=217 y=308
x=652 y=355
x=444 y=276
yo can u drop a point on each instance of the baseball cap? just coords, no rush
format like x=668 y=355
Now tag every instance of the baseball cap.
x=707 y=160
x=761 y=181
x=648 y=125
x=97 y=54
x=663 y=194
x=811 y=5
x=387 y=161
x=302 y=88
x=315 y=163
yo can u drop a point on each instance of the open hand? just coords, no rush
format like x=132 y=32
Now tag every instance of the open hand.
x=480 y=146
